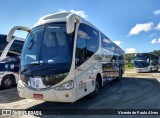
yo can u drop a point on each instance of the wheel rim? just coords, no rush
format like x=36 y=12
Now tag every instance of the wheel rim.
x=8 y=82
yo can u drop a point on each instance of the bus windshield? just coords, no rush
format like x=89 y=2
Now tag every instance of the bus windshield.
x=141 y=64
x=49 y=46
x=141 y=56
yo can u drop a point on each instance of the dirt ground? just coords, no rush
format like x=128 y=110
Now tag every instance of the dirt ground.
x=134 y=91
x=132 y=73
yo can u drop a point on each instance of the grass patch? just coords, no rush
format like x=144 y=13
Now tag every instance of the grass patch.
x=129 y=66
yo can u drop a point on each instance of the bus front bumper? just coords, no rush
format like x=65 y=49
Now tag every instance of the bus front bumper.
x=147 y=69
x=47 y=94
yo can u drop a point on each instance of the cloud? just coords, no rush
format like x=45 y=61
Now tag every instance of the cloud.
x=131 y=50
x=140 y=28
x=157 y=12
x=80 y=13
x=158 y=27
x=117 y=42
x=154 y=41
x=152 y=35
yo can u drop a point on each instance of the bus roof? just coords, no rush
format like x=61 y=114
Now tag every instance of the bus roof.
x=60 y=17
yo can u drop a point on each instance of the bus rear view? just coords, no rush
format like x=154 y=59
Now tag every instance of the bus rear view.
x=146 y=62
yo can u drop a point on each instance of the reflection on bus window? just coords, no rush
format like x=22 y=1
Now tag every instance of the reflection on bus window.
x=87 y=42
x=16 y=48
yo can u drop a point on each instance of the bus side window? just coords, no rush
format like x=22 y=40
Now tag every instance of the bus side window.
x=106 y=43
x=92 y=41
x=16 y=48
x=80 y=48
x=87 y=43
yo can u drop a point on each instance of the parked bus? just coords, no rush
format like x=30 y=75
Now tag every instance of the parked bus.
x=65 y=58
x=9 y=63
x=146 y=62
x=3 y=42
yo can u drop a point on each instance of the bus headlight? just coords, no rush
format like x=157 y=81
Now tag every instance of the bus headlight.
x=66 y=86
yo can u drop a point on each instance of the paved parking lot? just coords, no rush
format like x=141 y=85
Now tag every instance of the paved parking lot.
x=134 y=91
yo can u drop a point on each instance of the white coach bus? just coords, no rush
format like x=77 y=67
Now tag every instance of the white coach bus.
x=65 y=58
x=146 y=62
x=9 y=63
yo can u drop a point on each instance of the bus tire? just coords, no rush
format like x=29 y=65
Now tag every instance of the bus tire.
x=157 y=69
x=120 y=75
x=7 y=82
x=95 y=93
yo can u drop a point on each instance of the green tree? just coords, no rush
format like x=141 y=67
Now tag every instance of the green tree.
x=129 y=57
x=157 y=52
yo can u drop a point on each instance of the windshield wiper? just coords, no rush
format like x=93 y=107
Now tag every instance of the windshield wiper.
x=31 y=65
x=44 y=69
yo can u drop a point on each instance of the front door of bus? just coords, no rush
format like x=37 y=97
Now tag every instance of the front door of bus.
x=83 y=72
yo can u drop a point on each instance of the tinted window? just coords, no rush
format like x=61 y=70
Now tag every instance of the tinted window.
x=116 y=49
x=154 y=59
x=80 y=48
x=57 y=44
x=16 y=48
x=3 y=42
x=121 y=57
x=118 y=52
x=90 y=39
x=31 y=49
x=106 y=43
x=141 y=56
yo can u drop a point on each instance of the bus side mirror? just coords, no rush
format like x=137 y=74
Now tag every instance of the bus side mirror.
x=71 y=19
x=10 y=34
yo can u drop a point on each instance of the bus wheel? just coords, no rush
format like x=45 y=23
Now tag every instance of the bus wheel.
x=95 y=93
x=120 y=75
x=157 y=69
x=7 y=82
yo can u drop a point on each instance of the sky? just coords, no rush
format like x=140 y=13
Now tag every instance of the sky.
x=134 y=25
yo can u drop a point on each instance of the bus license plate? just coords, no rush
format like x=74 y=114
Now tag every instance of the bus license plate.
x=37 y=95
